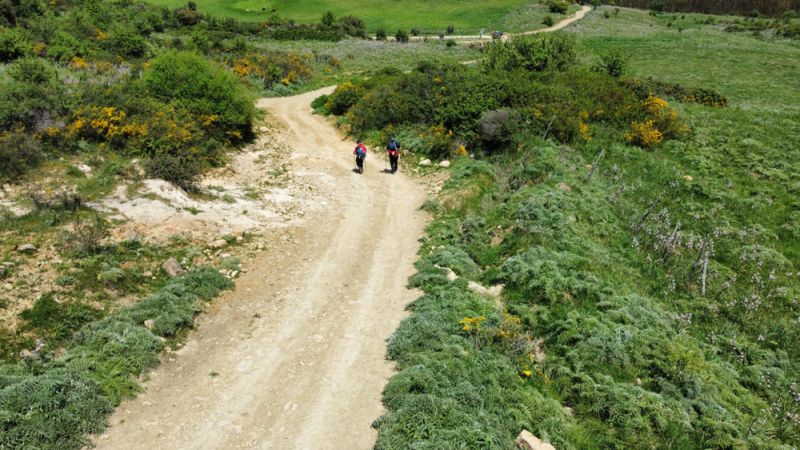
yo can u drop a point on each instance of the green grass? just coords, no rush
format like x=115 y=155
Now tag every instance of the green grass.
x=636 y=355
x=467 y=16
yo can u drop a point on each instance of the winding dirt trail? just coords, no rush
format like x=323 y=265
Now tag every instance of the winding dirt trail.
x=294 y=358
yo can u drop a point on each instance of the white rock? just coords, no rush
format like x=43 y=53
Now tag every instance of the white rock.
x=84 y=168
x=444 y=164
x=219 y=243
x=27 y=249
x=527 y=441
x=425 y=162
x=150 y=324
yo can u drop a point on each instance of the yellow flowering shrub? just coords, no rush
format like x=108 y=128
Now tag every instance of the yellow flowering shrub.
x=644 y=134
x=78 y=63
x=472 y=324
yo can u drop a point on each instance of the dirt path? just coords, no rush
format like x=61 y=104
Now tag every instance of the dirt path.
x=488 y=37
x=295 y=356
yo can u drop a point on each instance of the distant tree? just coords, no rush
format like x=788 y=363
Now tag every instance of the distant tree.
x=192 y=5
x=328 y=19
x=380 y=34
x=401 y=36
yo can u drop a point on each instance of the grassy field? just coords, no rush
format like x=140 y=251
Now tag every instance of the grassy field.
x=467 y=16
x=608 y=333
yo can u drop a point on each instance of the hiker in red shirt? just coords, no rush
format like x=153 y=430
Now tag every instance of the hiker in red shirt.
x=393 y=150
x=361 y=154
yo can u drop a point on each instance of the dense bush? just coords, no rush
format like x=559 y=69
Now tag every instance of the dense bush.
x=343 y=98
x=538 y=52
x=18 y=153
x=14 y=43
x=401 y=36
x=126 y=42
x=353 y=26
x=557 y=6
x=204 y=89
x=649 y=87
x=612 y=63
x=180 y=170
x=33 y=97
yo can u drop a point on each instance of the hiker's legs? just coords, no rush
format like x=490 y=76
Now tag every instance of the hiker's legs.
x=360 y=164
x=393 y=161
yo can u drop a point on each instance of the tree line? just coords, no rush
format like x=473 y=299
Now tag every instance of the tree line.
x=738 y=7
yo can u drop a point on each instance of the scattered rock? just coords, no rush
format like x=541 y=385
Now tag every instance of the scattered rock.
x=2 y=271
x=564 y=187
x=172 y=268
x=688 y=178
x=444 y=164
x=527 y=441
x=27 y=249
x=150 y=324
x=425 y=162
x=85 y=169
x=27 y=354
x=217 y=244
x=147 y=274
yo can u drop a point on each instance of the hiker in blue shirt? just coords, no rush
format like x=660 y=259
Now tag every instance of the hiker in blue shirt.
x=393 y=149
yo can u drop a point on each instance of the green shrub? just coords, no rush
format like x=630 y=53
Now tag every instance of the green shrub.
x=204 y=89
x=64 y=46
x=343 y=98
x=14 y=44
x=557 y=6
x=328 y=19
x=181 y=170
x=126 y=42
x=544 y=51
x=54 y=410
x=187 y=17
x=548 y=21
x=380 y=34
x=499 y=127
x=613 y=63
x=401 y=36
x=353 y=26
x=55 y=320
x=450 y=43
x=18 y=154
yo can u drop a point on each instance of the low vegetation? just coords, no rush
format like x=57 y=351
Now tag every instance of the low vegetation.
x=640 y=223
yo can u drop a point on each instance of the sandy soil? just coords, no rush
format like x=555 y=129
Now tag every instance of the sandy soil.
x=295 y=356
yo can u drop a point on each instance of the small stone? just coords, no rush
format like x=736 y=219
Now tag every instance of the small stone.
x=444 y=164
x=225 y=255
x=527 y=441
x=217 y=244
x=564 y=187
x=27 y=354
x=85 y=169
x=150 y=324
x=172 y=268
x=27 y=249
x=2 y=271
x=147 y=274
x=234 y=273
x=425 y=162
